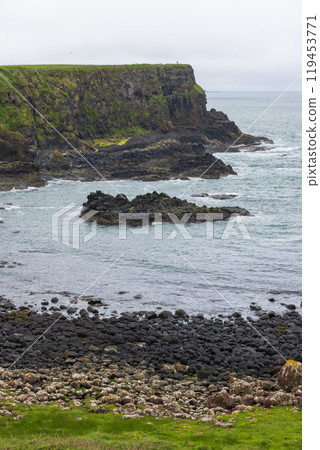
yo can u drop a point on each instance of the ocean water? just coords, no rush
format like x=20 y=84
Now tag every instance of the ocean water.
x=253 y=260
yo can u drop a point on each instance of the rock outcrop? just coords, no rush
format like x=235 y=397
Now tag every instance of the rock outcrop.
x=215 y=196
x=143 y=121
x=16 y=166
x=156 y=206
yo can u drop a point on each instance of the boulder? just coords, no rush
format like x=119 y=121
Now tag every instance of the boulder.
x=241 y=387
x=247 y=400
x=279 y=398
x=290 y=376
x=100 y=410
x=221 y=399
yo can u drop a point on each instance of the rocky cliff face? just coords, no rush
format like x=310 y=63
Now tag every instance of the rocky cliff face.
x=90 y=102
x=109 y=110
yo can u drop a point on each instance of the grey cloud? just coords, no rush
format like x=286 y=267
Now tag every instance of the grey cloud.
x=232 y=45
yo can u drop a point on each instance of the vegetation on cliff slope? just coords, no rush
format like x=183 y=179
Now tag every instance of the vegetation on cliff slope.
x=92 y=102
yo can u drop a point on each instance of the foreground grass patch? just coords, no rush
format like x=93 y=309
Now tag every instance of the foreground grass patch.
x=50 y=427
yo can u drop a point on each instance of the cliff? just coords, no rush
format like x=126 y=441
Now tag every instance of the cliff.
x=105 y=110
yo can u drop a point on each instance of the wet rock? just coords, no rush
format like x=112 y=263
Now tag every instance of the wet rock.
x=108 y=209
x=198 y=347
x=165 y=315
x=202 y=194
x=290 y=307
x=150 y=315
x=255 y=307
x=84 y=314
x=215 y=196
x=95 y=302
x=181 y=313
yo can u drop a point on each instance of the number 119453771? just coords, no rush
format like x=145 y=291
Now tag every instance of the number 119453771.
x=311 y=48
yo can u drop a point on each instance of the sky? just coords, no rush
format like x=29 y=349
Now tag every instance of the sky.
x=231 y=44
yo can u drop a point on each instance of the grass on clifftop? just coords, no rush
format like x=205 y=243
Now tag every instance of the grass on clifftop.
x=89 y=67
x=50 y=427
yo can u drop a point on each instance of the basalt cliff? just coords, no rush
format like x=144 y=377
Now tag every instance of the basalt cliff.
x=144 y=122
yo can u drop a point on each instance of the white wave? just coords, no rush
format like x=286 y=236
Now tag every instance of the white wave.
x=59 y=181
x=30 y=188
x=39 y=207
x=10 y=207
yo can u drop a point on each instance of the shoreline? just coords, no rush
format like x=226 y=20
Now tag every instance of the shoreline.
x=192 y=169
x=148 y=364
x=209 y=348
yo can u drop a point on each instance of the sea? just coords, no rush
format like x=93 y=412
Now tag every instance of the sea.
x=47 y=252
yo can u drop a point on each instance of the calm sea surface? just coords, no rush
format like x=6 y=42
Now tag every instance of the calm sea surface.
x=200 y=275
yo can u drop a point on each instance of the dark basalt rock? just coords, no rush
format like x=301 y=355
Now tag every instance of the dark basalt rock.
x=215 y=196
x=208 y=348
x=153 y=157
x=108 y=208
x=16 y=167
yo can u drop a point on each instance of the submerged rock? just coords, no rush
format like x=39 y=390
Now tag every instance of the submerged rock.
x=215 y=196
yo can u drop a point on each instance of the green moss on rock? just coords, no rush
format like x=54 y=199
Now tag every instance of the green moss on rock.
x=94 y=102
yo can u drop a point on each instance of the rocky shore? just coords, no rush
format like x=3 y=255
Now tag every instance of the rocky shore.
x=151 y=364
x=137 y=392
x=174 y=344
x=157 y=207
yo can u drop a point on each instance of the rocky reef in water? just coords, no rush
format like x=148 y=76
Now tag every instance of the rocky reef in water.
x=131 y=121
x=109 y=208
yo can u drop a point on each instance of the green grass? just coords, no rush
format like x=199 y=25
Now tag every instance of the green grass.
x=90 y=67
x=50 y=427
x=110 y=141
x=119 y=137
x=197 y=89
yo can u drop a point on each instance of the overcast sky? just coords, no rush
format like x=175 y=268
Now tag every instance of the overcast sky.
x=231 y=44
